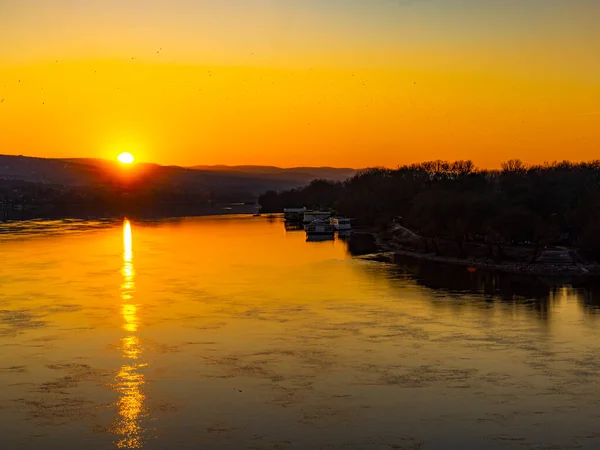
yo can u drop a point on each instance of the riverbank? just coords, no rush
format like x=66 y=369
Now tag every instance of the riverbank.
x=159 y=211
x=538 y=269
x=388 y=251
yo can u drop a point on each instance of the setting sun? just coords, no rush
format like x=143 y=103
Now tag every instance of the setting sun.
x=125 y=158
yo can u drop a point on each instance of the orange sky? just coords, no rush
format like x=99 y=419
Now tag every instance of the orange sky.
x=330 y=82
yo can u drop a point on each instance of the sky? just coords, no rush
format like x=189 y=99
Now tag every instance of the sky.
x=350 y=83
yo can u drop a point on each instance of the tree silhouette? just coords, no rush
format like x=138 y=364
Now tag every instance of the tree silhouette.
x=554 y=203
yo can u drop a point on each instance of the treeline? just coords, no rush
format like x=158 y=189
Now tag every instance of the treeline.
x=551 y=204
x=21 y=200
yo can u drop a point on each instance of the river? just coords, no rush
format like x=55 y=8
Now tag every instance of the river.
x=229 y=332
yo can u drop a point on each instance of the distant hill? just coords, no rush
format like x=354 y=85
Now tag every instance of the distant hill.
x=329 y=173
x=222 y=182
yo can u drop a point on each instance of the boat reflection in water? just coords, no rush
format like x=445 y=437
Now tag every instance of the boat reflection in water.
x=344 y=235
x=319 y=237
x=129 y=381
x=293 y=226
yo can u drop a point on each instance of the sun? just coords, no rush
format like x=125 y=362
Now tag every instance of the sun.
x=125 y=158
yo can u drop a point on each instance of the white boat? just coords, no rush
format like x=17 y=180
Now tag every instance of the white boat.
x=320 y=228
x=342 y=224
x=311 y=216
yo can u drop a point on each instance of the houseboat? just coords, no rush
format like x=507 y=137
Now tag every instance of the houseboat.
x=311 y=216
x=342 y=224
x=320 y=228
x=294 y=215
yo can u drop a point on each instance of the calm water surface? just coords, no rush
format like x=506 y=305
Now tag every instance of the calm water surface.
x=228 y=332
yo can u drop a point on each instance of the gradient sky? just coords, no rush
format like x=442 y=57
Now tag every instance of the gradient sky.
x=313 y=82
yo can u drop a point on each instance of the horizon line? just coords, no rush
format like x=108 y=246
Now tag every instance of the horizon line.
x=193 y=166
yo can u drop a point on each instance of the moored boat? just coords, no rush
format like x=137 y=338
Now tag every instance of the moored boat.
x=311 y=216
x=293 y=215
x=320 y=228
x=342 y=224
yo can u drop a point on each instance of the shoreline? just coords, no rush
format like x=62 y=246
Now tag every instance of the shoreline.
x=157 y=213
x=389 y=253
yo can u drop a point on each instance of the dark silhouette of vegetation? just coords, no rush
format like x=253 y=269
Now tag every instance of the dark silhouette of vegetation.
x=551 y=204
x=24 y=200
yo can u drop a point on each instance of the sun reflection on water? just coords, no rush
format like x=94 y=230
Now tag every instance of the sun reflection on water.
x=130 y=315
x=130 y=379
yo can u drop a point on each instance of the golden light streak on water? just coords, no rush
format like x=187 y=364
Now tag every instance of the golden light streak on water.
x=130 y=380
x=130 y=317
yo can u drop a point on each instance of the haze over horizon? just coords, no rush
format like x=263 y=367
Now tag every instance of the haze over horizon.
x=352 y=83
